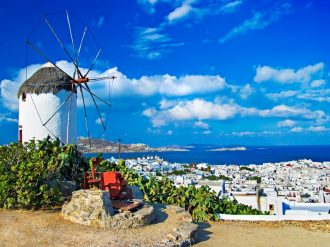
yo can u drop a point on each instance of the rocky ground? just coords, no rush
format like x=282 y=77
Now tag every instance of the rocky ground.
x=48 y=228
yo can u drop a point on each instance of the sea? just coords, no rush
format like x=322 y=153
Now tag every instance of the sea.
x=252 y=155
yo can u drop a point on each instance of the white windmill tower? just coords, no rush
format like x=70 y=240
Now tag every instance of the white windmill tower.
x=48 y=99
x=48 y=106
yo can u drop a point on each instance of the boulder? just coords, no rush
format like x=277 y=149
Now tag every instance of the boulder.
x=94 y=208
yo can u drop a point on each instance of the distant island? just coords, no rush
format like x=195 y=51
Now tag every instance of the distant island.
x=228 y=149
x=104 y=146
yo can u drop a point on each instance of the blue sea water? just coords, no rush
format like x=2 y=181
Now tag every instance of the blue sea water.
x=253 y=155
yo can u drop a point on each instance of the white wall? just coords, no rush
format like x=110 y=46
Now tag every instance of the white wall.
x=47 y=104
x=274 y=217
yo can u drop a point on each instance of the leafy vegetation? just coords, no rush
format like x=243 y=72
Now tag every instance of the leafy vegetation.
x=30 y=173
x=202 y=203
x=246 y=168
x=255 y=178
x=212 y=177
x=30 y=176
x=177 y=172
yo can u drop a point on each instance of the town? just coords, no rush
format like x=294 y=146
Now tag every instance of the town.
x=293 y=187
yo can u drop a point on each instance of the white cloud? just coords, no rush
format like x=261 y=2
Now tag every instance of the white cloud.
x=286 y=76
x=282 y=111
x=98 y=120
x=318 y=129
x=286 y=123
x=179 y=13
x=231 y=7
x=9 y=88
x=5 y=118
x=152 y=43
x=199 y=109
x=317 y=83
x=206 y=132
x=246 y=91
x=282 y=95
x=259 y=20
x=252 y=133
x=164 y=103
x=149 y=112
x=169 y=132
x=242 y=133
x=319 y=95
x=201 y=124
x=149 y=5
x=297 y=129
x=165 y=85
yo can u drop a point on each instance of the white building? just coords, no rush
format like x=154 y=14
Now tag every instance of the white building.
x=48 y=106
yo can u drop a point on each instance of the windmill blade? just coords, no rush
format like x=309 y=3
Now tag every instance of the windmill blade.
x=81 y=42
x=61 y=44
x=102 y=78
x=88 y=90
x=97 y=107
x=59 y=108
x=86 y=121
x=46 y=58
x=71 y=36
x=94 y=61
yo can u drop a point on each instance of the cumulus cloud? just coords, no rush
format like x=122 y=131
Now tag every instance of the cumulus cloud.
x=286 y=123
x=200 y=109
x=9 y=87
x=288 y=75
x=165 y=85
x=259 y=20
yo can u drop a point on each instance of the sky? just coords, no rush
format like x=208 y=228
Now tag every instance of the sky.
x=226 y=72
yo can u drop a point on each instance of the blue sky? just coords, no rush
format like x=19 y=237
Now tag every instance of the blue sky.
x=188 y=71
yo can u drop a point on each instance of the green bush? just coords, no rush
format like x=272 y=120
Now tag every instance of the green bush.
x=202 y=203
x=246 y=168
x=30 y=173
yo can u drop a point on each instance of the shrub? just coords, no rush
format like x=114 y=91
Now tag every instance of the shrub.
x=30 y=172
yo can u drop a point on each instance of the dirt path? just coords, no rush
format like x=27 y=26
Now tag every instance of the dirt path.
x=47 y=228
x=265 y=234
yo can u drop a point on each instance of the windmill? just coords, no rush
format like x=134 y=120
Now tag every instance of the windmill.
x=48 y=98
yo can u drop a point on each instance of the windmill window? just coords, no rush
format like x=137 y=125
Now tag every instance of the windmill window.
x=24 y=96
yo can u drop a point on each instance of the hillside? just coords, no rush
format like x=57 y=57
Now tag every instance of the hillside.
x=104 y=146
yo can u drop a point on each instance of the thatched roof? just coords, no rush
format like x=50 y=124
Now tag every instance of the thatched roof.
x=48 y=79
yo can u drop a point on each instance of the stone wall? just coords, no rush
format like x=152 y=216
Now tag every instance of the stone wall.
x=94 y=208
